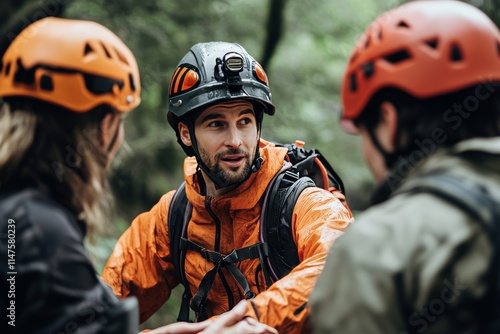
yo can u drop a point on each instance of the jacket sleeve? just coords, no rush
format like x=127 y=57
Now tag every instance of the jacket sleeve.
x=399 y=269
x=318 y=219
x=140 y=264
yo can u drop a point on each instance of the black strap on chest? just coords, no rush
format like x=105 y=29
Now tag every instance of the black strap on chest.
x=221 y=261
x=180 y=245
x=276 y=249
x=180 y=211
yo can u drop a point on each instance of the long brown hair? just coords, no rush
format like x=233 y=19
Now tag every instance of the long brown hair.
x=58 y=152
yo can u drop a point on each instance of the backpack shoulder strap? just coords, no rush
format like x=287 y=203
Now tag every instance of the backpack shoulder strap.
x=334 y=178
x=470 y=197
x=276 y=217
x=312 y=163
x=476 y=201
x=179 y=215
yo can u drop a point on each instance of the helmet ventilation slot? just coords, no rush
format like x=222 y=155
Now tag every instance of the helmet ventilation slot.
x=121 y=57
x=397 y=57
x=403 y=24
x=106 y=50
x=353 y=83
x=456 y=54
x=88 y=49
x=432 y=43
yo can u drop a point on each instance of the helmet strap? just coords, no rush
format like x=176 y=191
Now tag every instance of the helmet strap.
x=218 y=182
x=389 y=158
x=257 y=161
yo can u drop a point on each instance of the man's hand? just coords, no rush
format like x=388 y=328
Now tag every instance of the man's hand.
x=231 y=322
x=180 y=328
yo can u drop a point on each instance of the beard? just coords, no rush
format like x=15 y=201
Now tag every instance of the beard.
x=228 y=176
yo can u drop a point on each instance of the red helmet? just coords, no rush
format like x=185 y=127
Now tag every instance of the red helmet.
x=75 y=64
x=425 y=48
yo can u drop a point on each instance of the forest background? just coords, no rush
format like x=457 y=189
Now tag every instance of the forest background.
x=302 y=45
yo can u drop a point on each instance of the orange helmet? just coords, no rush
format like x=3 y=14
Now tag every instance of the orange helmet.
x=425 y=48
x=78 y=65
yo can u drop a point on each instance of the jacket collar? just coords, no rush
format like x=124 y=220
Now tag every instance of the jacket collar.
x=245 y=196
x=442 y=159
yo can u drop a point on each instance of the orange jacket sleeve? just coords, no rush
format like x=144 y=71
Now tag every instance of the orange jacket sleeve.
x=141 y=261
x=318 y=219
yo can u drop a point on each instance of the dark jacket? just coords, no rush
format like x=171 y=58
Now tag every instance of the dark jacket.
x=48 y=283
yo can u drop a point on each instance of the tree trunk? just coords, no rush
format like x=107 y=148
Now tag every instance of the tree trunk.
x=274 y=30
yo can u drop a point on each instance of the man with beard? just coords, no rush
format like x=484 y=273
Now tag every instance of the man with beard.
x=218 y=97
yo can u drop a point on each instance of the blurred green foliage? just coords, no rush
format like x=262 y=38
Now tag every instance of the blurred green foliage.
x=305 y=73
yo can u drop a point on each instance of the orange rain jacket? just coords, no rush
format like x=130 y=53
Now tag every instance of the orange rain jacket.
x=141 y=263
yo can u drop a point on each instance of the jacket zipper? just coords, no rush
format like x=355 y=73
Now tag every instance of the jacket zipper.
x=208 y=207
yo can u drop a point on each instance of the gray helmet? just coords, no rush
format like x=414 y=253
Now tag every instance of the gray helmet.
x=214 y=72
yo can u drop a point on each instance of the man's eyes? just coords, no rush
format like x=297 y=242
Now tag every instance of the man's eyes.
x=214 y=124
x=244 y=121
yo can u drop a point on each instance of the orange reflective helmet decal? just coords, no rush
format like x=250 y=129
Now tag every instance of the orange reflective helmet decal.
x=185 y=78
x=260 y=74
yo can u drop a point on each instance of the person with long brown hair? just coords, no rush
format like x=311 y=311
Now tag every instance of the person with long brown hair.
x=65 y=87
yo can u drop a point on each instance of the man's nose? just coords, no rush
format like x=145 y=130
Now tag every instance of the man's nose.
x=233 y=138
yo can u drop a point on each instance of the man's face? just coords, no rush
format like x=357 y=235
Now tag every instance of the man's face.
x=227 y=138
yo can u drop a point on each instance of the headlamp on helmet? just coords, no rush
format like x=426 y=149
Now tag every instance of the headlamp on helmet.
x=228 y=69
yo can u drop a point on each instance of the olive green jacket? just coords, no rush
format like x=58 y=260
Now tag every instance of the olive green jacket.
x=414 y=263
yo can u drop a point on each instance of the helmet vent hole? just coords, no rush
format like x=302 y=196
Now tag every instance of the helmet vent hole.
x=121 y=57
x=7 y=69
x=22 y=75
x=46 y=83
x=456 y=54
x=88 y=49
x=379 y=35
x=368 y=69
x=106 y=50
x=132 y=82
x=432 y=43
x=1 y=66
x=403 y=24
x=397 y=57
x=498 y=49
x=353 y=83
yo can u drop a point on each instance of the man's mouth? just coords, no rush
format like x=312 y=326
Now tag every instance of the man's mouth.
x=233 y=160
